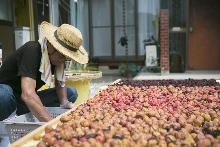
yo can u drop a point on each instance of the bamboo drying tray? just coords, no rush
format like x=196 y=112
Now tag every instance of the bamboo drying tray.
x=81 y=81
x=29 y=139
x=82 y=75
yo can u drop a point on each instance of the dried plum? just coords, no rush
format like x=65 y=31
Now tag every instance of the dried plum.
x=91 y=136
x=217 y=108
x=118 y=137
x=178 y=128
x=214 y=133
x=217 y=88
x=57 y=136
x=107 y=129
x=175 y=83
x=169 y=127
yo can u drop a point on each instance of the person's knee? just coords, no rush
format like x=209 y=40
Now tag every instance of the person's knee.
x=8 y=101
x=6 y=93
x=72 y=93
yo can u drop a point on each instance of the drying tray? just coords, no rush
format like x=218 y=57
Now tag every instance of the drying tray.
x=82 y=75
x=29 y=139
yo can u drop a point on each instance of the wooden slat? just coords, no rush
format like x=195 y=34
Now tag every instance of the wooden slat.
x=30 y=137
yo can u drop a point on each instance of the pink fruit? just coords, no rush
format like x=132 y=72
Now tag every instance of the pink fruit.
x=100 y=139
x=83 y=139
x=210 y=98
x=73 y=140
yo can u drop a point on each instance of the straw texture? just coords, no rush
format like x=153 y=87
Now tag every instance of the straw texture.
x=71 y=36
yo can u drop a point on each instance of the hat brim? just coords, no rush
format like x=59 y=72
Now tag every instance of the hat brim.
x=79 y=56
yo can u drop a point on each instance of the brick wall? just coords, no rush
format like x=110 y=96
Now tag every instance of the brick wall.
x=164 y=41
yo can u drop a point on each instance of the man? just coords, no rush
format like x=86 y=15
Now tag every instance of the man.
x=30 y=67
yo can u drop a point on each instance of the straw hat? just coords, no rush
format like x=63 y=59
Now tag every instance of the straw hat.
x=67 y=40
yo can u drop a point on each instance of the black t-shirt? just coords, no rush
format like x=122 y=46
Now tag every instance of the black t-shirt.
x=24 y=62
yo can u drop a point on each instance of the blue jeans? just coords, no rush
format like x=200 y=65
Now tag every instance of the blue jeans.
x=10 y=100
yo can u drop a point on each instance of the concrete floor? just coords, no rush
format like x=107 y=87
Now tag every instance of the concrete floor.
x=193 y=74
x=108 y=77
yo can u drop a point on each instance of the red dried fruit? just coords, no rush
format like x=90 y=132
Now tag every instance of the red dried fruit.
x=100 y=139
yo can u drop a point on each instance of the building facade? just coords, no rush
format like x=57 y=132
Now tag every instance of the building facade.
x=185 y=32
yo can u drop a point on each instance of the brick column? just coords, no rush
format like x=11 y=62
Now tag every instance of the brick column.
x=164 y=41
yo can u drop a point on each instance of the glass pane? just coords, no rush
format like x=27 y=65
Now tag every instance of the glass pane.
x=148 y=22
x=5 y=10
x=128 y=10
x=82 y=21
x=177 y=39
x=124 y=14
x=100 y=12
x=177 y=13
x=177 y=43
x=43 y=11
x=102 y=41
x=120 y=50
x=64 y=11
x=177 y=47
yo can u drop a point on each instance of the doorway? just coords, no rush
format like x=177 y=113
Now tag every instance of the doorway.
x=204 y=35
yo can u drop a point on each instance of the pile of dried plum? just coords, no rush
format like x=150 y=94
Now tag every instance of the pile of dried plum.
x=143 y=113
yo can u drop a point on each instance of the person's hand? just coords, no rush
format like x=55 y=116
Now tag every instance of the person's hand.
x=67 y=105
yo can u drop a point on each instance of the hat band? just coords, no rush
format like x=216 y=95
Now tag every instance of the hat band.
x=64 y=44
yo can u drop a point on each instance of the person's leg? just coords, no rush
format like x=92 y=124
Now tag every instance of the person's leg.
x=49 y=97
x=7 y=101
x=21 y=106
x=72 y=94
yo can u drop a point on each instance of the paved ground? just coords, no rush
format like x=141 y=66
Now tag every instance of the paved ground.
x=198 y=74
x=108 y=77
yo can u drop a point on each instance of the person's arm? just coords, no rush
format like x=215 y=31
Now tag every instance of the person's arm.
x=32 y=100
x=61 y=91
x=62 y=94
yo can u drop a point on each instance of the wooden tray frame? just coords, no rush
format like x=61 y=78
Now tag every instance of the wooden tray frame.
x=29 y=141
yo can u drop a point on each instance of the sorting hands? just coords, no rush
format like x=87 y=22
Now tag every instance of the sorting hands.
x=67 y=105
